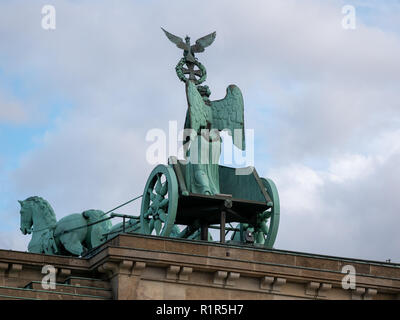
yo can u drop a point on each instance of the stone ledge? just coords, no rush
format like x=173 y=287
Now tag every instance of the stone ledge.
x=248 y=268
x=205 y=270
x=255 y=254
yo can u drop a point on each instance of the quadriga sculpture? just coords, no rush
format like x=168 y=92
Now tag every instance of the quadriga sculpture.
x=74 y=234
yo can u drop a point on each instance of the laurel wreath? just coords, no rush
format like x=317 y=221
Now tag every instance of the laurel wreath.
x=181 y=75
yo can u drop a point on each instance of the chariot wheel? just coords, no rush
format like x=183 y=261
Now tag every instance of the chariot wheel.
x=266 y=226
x=273 y=215
x=160 y=202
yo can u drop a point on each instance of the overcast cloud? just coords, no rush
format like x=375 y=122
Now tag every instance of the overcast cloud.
x=323 y=101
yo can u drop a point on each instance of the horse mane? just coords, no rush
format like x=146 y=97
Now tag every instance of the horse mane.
x=50 y=216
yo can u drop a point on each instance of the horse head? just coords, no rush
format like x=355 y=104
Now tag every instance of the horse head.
x=26 y=217
x=36 y=213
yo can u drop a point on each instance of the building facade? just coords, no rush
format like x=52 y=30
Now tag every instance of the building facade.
x=146 y=267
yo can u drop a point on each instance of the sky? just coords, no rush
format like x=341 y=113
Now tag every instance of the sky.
x=77 y=102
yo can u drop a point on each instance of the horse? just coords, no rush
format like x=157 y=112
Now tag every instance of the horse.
x=74 y=234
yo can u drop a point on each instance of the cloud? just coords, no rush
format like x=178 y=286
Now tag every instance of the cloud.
x=323 y=102
x=350 y=209
x=85 y=165
x=11 y=110
x=13 y=240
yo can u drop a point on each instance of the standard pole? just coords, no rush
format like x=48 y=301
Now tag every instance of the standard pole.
x=204 y=232
x=222 y=230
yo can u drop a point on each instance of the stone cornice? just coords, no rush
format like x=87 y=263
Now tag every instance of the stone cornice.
x=244 y=269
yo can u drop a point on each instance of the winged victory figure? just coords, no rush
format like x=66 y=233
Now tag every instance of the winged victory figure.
x=190 y=50
x=203 y=115
x=205 y=119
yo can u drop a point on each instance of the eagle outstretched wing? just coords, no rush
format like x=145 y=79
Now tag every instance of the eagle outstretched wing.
x=203 y=42
x=228 y=113
x=177 y=40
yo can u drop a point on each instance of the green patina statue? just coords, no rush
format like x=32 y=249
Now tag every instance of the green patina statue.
x=184 y=198
x=205 y=119
x=72 y=235
x=188 y=50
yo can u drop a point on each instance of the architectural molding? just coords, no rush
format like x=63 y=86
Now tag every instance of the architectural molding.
x=219 y=277
x=145 y=267
x=172 y=272
x=231 y=278
x=185 y=273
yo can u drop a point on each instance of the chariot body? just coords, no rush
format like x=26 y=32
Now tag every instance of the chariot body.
x=169 y=209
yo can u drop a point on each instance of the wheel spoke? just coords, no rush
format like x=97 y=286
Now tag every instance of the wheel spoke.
x=164 y=203
x=152 y=195
x=164 y=189
x=264 y=227
x=157 y=226
x=149 y=212
x=151 y=225
x=260 y=238
x=162 y=215
x=158 y=185
x=265 y=215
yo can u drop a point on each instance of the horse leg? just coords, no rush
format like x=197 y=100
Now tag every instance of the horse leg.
x=71 y=232
x=72 y=242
